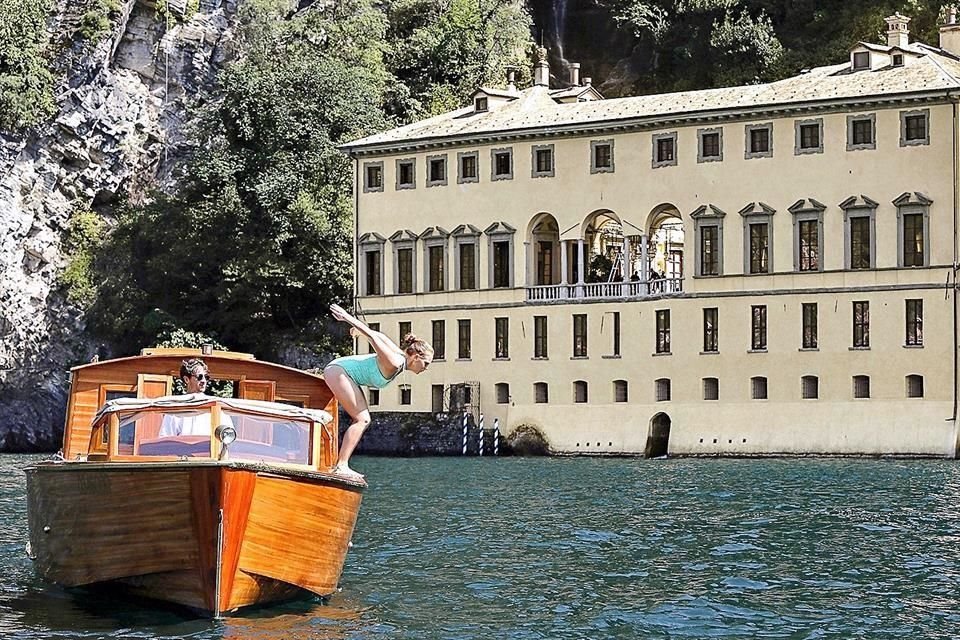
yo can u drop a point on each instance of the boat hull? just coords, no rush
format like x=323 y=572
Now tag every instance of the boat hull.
x=206 y=535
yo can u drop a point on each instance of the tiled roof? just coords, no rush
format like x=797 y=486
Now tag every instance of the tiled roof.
x=535 y=109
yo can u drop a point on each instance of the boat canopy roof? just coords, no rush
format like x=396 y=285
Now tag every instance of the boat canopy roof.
x=199 y=400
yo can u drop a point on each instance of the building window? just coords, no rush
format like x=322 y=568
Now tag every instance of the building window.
x=861 y=60
x=897 y=60
x=468 y=167
x=664 y=149
x=502 y=164
x=467 y=254
x=405 y=270
x=436 y=170
x=620 y=391
x=861 y=132
x=809 y=387
x=758 y=327
x=759 y=142
x=914 y=323
x=404 y=329
x=616 y=333
x=913 y=229
x=809 y=134
x=579 y=391
x=406 y=174
x=502 y=338
x=661 y=389
x=480 y=104
x=502 y=391
x=439 y=341
x=372 y=272
x=711 y=343
x=540 y=394
x=808 y=311
x=405 y=394
x=436 y=397
x=372 y=177
x=711 y=389
x=463 y=339
x=374 y=326
x=708 y=231
x=601 y=156
x=501 y=263
x=542 y=161
x=914 y=386
x=759 y=233
x=663 y=331
x=710 y=145
x=580 y=335
x=758 y=388
x=435 y=260
x=500 y=242
x=539 y=336
x=807 y=235
x=373 y=397
x=914 y=127
x=861 y=325
x=861 y=386
x=859 y=232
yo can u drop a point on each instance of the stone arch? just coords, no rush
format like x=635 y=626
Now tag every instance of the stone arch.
x=543 y=249
x=658 y=436
x=602 y=234
x=663 y=255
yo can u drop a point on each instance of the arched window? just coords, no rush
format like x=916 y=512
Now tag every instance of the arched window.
x=758 y=388
x=579 y=391
x=914 y=386
x=662 y=389
x=540 y=395
x=619 y=390
x=503 y=392
x=809 y=387
x=861 y=386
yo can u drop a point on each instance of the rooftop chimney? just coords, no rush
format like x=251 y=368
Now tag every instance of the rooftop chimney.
x=541 y=73
x=587 y=81
x=897 y=33
x=512 y=79
x=950 y=32
x=574 y=74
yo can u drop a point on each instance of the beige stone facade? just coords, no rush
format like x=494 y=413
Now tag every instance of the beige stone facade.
x=782 y=260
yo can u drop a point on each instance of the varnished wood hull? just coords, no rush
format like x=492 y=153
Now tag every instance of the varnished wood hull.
x=210 y=536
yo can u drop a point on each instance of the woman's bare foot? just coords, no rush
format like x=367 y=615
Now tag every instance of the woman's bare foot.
x=344 y=470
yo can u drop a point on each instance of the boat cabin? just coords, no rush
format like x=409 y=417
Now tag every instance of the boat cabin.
x=124 y=410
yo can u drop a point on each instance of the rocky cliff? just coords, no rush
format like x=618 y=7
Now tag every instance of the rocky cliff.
x=122 y=103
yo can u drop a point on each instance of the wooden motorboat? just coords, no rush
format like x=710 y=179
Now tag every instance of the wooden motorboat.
x=247 y=514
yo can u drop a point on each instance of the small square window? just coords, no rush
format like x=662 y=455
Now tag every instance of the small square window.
x=540 y=393
x=542 y=161
x=502 y=161
x=861 y=132
x=898 y=59
x=405 y=394
x=664 y=149
x=710 y=145
x=502 y=390
x=861 y=386
x=759 y=142
x=861 y=60
x=601 y=156
x=372 y=177
x=620 y=391
x=436 y=170
x=580 y=391
x=480 y=104
x=809 y=387
x=758 y=388
x=809 y=135
x=914 y=127
x=914 y=386
x=711 y=389
x=661 y=387
x=467 y=165
x=406 y=174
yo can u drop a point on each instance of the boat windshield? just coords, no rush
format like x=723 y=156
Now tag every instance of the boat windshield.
x=188 y=432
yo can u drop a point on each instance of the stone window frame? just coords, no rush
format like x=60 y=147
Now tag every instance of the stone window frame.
x=404 y=239
x=501 y=323
x=494 y=176
x=798 y=126
x=463 y=235
x=757 y=213
x=903 y=127
x=438 y=340
x=434 y=237
x=593 y=156
x=461 y=179
x=700 y=135
x=748 y=130
x=913 y=203
x=413 y=173
x=533 y=161
x=707 y=216
x=440 y=157
x=859 y=207
x=860 y=117
x=366 y=176
x=804 y=211
x=498 y=232
x=655 y=143
x=365 y=244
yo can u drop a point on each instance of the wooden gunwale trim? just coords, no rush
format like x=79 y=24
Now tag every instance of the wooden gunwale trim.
x=265 y=469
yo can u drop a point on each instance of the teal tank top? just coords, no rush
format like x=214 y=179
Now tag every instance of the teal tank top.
x=363 y=370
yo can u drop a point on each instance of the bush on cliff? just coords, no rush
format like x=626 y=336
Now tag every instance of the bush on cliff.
x=26 y=83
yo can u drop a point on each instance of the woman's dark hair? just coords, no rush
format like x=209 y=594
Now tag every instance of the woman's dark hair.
x=411 y=344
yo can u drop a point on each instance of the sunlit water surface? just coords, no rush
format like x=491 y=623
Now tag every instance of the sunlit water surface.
x=586 y=548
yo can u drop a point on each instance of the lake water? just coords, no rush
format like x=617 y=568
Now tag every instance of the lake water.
x=468 y=548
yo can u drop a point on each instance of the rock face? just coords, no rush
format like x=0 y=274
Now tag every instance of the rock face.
x=122 y=105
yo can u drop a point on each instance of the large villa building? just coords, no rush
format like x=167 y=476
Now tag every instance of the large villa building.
x=765 y=269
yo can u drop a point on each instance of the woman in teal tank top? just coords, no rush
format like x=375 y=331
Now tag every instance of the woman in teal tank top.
x=346 y=375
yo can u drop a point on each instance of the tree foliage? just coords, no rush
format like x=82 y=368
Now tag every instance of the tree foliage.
x=26 y=83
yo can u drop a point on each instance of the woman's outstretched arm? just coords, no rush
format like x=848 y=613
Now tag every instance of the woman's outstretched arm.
x=384 y=346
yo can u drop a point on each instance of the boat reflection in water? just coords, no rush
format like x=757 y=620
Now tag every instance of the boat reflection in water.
x=246 y=513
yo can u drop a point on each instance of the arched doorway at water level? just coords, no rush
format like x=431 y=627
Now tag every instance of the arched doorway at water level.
x=658 y=438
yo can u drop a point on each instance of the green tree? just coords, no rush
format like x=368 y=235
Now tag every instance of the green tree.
x=26 y=83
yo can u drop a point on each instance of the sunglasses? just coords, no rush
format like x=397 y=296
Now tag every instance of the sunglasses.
x=201 y=376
